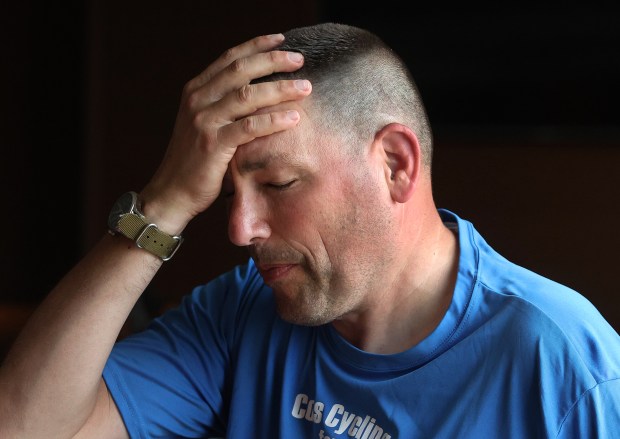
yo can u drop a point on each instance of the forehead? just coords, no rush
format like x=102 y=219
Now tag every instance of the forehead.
x=296 y=147
x=285 y=148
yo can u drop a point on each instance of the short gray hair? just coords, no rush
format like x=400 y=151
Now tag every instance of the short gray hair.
x=359 y=84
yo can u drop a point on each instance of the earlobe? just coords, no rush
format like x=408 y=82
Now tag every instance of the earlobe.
x=402 y=159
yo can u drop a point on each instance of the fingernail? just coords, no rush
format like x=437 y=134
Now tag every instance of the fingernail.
x=276 y=37
x=292 y=115
x=295 y=56
x=302 y=84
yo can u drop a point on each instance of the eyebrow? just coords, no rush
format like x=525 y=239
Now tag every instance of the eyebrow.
x=263 y=162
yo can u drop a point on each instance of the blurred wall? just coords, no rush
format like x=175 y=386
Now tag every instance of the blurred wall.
x=523 y=103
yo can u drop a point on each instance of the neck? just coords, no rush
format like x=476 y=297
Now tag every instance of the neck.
x=407 y=306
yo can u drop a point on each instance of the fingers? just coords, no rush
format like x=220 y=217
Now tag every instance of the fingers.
x=227 y=101
x=243 y=70
x=240 y=73
x=220 y=110
x=237 y=120
x=256 y=45
x=251 y=127
x=250 y=98
x=229 y=96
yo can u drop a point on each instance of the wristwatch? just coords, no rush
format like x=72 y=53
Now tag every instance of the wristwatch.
x=127 y=219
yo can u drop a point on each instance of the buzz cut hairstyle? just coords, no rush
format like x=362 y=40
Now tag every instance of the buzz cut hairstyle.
x=359 y=83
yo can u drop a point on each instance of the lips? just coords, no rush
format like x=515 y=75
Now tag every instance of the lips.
x=274 y=272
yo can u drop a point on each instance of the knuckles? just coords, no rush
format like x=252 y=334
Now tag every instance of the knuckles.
x=245 y=93
x=237 y=65
x=192 y=102
x=229 y=55
x=198 y=121
x=249 y=125
x=276 y=56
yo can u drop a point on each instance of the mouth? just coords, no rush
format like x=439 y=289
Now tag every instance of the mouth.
x=274 y=272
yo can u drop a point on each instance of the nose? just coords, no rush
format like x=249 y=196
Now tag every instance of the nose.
x=247 y=222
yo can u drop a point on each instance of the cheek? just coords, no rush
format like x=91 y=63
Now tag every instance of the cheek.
x=314 y=205
x=365 y=219
x=314 y=221
x=297 y=219
x=332 y=214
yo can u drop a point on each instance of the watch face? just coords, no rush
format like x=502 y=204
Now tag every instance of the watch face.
x=125 y=204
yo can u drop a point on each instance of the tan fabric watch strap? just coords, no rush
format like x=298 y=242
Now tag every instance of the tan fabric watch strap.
x=148 y=236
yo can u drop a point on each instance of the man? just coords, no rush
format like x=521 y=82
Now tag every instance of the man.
x=364 y=311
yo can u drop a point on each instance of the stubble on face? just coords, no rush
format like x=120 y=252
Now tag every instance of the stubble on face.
x=335 y=277
x=304 y=296
x=335 y=243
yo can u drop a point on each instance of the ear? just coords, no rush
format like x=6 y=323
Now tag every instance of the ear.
x=401 y=151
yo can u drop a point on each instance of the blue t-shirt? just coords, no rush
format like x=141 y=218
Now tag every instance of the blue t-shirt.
x=516 y=356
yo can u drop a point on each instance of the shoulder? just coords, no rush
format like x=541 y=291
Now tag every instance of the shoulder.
x=556 y=323
x=595 y=414
x=564 y=325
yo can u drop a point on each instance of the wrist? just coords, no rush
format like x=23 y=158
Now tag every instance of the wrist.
x=127 y=218
x=166 y=212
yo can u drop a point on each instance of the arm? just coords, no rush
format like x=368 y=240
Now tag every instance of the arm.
x=50 y=383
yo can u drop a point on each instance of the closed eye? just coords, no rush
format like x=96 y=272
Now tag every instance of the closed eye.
x=280 y=186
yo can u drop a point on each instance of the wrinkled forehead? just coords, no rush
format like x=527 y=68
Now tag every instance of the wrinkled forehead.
x=279 y=149
x=295 y=146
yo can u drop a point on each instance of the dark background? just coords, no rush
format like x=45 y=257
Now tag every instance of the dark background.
x=523 y=101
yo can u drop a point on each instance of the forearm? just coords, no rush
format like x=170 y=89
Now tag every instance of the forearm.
x=49 y=381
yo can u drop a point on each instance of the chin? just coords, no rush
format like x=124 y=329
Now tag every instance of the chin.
x=300 y=315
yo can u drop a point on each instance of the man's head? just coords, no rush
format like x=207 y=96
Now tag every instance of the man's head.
x=329 y=208
x=359 y=83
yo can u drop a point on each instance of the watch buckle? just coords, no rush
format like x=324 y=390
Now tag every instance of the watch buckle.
x=152 y=228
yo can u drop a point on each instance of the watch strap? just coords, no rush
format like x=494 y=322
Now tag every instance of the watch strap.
x=148 y=236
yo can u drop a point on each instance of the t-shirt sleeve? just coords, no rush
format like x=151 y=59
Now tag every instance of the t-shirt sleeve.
x=171 y=379
x=596 y=415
